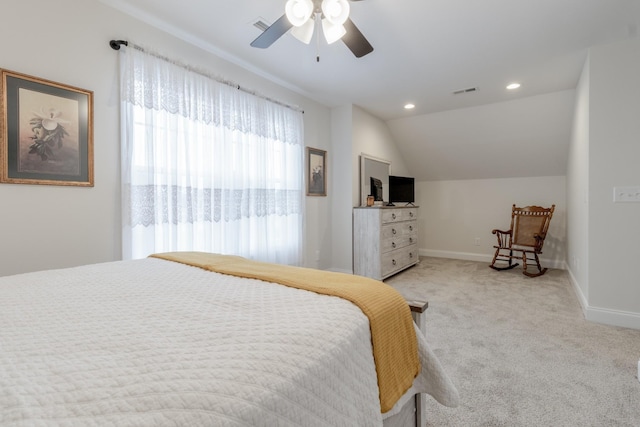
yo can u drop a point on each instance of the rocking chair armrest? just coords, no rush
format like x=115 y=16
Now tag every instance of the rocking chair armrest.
x=539 y=241
x=504 y=237
x=496 y=231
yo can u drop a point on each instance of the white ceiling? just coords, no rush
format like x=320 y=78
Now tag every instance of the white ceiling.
x=424 y=50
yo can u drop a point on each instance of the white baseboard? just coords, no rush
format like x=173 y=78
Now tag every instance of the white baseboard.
x=582 y=298
x=605 y=316
x=470 y=256
x=624 y=319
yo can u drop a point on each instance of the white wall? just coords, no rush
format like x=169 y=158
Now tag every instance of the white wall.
x=372 y=136
x=67 y=41
x=578 y=190
x=614 y=150
x=454 y=213
x=342 y=167
x=317 y=223
x=354 y=131
x=522 y=137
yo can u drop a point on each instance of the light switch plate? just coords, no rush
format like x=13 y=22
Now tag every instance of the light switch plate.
x=626 y=194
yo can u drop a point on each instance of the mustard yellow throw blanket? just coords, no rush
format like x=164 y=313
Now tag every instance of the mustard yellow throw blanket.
x=395 y=348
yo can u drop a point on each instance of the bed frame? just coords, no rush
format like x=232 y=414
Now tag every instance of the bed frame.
x=412 y=413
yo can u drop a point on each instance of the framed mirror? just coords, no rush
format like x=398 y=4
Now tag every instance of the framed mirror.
x=373 y=167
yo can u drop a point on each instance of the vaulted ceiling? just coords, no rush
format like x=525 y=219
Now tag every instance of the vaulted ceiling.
x=424 y=50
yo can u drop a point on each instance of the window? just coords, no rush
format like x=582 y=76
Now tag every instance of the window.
x=207 y=167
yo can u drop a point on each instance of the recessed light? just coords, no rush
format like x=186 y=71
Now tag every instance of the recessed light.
x=409 y=106
x=513 y=86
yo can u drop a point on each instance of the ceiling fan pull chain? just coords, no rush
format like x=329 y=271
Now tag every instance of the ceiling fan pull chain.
x=317 y=17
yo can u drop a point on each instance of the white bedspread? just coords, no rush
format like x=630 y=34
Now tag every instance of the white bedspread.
x=151 y=343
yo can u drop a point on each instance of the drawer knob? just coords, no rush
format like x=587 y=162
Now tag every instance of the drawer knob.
x=393 y=216
x=411 y=228
x=411 y=214
x=393 y=244
x=410 y=239
x=393 y=230
x=394 y=262
x=410 y=254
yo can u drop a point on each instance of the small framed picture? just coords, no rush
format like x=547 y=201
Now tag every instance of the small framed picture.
x=46 y=132
x=316 y=172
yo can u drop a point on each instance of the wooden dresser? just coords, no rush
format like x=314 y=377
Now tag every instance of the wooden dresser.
x=385 y=240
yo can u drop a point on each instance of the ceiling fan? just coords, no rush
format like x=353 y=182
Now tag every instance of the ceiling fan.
x=302 y=17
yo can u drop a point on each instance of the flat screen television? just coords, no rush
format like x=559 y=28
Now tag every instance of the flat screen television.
x=376 y=189
x=401 y=189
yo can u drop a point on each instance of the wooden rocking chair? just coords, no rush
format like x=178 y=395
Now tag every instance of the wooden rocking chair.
x=529 y=227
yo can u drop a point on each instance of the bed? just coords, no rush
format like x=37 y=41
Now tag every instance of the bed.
x=164 y=341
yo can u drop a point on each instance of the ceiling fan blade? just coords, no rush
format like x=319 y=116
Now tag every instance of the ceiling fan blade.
x=273 y=33
x=355 y=40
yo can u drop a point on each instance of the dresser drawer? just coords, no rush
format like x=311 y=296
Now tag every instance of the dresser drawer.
x=408 y=214
x=397 y=215
x=396 y=242
x=391 y=215
x=398 y=259
x=399 y=229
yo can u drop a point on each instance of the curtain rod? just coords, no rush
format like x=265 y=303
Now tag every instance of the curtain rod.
x=116 y=44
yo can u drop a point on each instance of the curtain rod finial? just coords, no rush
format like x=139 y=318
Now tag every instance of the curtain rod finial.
x=115 y=44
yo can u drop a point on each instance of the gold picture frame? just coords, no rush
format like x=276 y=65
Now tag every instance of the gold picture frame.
x=316 y=172
x=46 y=132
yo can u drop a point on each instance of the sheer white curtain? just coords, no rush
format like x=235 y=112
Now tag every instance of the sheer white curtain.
x=207 y=167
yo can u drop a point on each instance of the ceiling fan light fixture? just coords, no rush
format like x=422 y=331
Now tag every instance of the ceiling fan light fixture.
x=304 y=33
x=336 y=11
x=298 y=11
x=296 y=21
x=332 y=32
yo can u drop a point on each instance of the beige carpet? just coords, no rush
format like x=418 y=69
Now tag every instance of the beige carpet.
x=520 y=351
